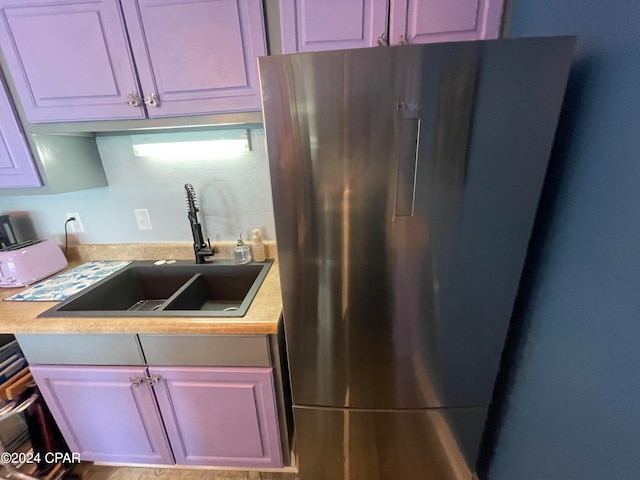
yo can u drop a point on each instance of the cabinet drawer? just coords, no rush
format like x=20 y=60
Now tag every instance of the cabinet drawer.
x=78 y=349
x=206 y=350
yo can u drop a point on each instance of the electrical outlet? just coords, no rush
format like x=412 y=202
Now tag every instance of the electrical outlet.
x=142 y=218
x=76 y=225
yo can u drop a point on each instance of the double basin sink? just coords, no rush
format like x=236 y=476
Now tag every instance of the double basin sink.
x=144 y=289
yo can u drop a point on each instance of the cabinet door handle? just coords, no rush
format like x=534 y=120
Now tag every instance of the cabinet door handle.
x=382 y=40
x=152 y=100
x=133 y=100
x=136 y=381
x=403 y=40
x=153 y=379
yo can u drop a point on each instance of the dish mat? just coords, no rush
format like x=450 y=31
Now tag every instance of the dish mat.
x=63 y=285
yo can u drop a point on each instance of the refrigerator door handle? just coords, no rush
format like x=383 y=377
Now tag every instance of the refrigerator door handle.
x=408 y=147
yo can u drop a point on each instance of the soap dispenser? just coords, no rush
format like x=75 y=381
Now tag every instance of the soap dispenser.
x=258 y=247
x=241 y=253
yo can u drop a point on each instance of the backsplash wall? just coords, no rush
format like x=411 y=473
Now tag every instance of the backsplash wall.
x=234 y=195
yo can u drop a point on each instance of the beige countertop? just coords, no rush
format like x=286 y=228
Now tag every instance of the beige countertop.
x=262 y=317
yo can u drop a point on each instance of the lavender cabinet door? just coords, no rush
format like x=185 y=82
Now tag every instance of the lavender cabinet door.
x=17 y=168
x=426 y=21
x=197 y=56
x=220 y=416
x=102 y=415
x=69 y=59
x=312 y=25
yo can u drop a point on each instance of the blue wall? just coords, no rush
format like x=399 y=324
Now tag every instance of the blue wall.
x=573 y=410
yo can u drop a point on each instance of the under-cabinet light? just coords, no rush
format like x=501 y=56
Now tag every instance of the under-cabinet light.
x=216 y=143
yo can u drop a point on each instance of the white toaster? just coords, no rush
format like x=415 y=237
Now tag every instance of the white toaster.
x=27 y=262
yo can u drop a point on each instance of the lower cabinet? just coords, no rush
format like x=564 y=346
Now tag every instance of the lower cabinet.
x=219 y=416
x=106 y=414
x=195 y=415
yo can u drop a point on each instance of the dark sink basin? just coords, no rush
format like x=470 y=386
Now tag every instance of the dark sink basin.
x=142 y=289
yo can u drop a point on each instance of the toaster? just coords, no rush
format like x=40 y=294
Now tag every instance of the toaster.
x=27 y=262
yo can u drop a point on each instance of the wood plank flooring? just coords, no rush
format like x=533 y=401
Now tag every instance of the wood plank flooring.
x=89 y=471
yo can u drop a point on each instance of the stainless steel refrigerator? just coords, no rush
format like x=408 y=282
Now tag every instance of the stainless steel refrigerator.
x=405 y=184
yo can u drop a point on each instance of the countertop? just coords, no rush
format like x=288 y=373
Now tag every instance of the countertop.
x=262 y=317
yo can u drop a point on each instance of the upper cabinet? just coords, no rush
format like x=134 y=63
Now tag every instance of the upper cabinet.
x=69 y=60
x=17 y=168
x=150 y=58
x=427 y=21
x=312 y=26
x=197 y=56
x=32 y=164
x=308 y=25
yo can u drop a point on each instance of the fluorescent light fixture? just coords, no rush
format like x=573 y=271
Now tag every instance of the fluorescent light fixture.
x=187 y=145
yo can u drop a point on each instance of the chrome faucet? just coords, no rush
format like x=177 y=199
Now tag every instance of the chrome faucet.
x=202 y=250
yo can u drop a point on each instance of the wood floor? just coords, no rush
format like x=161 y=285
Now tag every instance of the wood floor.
x=89 y=471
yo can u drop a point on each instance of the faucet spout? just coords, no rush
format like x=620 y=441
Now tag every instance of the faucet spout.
x=201 y=249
